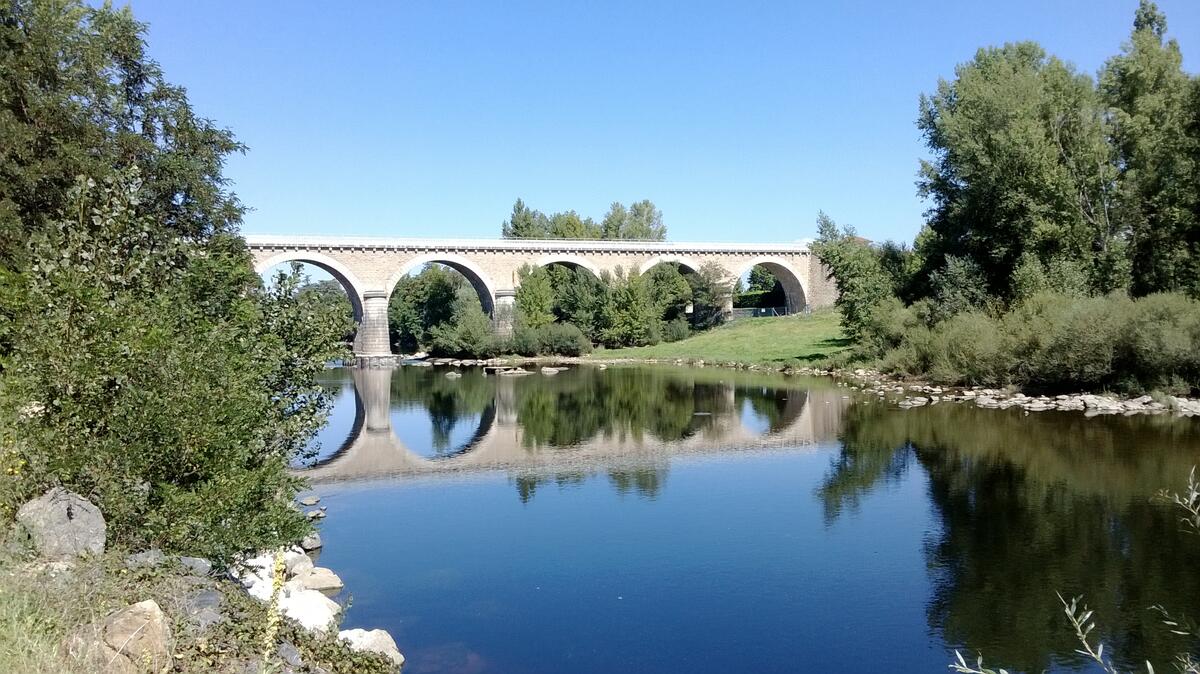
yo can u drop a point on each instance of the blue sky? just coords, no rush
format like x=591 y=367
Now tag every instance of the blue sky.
x=739 y=120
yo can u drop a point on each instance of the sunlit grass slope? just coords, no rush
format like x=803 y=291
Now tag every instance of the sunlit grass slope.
x=802 y=339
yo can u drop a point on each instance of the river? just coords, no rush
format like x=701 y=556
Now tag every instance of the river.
x=652 y=519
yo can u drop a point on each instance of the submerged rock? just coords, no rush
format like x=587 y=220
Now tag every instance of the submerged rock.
x=63 y=524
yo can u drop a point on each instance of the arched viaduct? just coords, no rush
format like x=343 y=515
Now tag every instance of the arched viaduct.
x=369 y=268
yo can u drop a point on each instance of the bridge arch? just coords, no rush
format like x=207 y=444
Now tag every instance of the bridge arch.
x=479 y=279
x=349 y=282
x=574 y=261
x=682 y=260
x=794 y=290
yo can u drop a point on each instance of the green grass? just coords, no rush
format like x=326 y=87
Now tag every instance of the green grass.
x=790 y=339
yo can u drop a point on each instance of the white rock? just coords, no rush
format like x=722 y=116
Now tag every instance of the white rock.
x=310 y=608
x=374 y=641
x=321 y=579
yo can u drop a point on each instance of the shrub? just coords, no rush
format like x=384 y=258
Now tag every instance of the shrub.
x=525 y=341
x=562 y=339
x=675 y=330
x=468 y=334
x=173 y=405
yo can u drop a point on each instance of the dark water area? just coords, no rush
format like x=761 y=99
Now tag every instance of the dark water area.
x=641 y=519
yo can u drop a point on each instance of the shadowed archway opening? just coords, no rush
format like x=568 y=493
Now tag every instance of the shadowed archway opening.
x=770 y=288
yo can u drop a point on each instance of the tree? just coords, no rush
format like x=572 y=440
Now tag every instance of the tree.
x=570 y=226
x=761 y=279
x=669 y=290
x=644 y=223
x=861 y=280
x=1021 y=164
x=1155 y=137
x=420 y=303
x=711 y=292
x=535 y=297
x=628 y=316
x=525 y=223
x=144 y=364
x=468 y=334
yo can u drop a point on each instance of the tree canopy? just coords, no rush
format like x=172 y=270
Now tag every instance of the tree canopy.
x=641 y=221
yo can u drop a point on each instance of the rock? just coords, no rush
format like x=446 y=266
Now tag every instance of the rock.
x=141 y=633
x=453 y=375
x=298 y=565
x=321 y=579
x=374 y=641
x=549 y=370
x=311 y=541
x=290 y=655
x=310 y=608
x=198 y=566
x=203 y=608
x=315 y=514
x=147 y=558
x=310 y=500
x=63 y=524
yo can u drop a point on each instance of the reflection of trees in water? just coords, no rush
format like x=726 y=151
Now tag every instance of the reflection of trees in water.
x=770 y=404
x=446 y=400
x=618 y=403
x=646 y=482
x=1030 y=506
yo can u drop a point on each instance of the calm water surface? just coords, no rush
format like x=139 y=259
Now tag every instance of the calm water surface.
x=641 y=519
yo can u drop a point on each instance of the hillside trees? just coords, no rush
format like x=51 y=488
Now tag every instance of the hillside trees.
x=641 y=221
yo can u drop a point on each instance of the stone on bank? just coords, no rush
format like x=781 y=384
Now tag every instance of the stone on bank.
x=63 y=524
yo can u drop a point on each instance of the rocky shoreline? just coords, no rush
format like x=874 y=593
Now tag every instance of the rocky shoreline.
x=66 y=535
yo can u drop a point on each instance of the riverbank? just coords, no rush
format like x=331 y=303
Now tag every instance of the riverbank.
x=68 y=604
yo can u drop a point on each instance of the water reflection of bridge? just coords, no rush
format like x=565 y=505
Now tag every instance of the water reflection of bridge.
x=804 y=416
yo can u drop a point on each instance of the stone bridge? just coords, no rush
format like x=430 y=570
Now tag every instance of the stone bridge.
x=369 y=268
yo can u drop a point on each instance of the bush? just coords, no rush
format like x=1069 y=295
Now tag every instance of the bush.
x=468 y=334
x=675 y=330
x=174 y=406
x=1055 y=341
x=563 y=339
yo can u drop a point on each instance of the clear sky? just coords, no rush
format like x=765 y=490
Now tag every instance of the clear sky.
x=739 y=120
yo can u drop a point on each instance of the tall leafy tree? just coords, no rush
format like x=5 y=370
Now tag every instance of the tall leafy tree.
x=1154 y=132
x=861 y=280
x=535 y=297
x=525 y=223
x=1020 y=164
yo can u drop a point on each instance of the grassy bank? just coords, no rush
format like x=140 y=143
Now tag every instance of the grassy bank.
x=801 y=340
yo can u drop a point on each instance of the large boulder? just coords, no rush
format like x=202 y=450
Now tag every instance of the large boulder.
x=135 y=639
x=321 y=579
x=310 y=608
x=63 y=524
x=374 y=641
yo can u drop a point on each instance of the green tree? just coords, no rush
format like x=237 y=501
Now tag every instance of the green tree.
x=525 y=223
x=570 y=226
x=1021 y=164
x=420 y=303
x=331 y=293
x=861 y=281
x=535 y=297
x=628 y=316
x=178 y=420
x=711 y=293
x=469 y=332
x=1155 y=137
x=761 y=279
x=669 y=290
x=644 y=223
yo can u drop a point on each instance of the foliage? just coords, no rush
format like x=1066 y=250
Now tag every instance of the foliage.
x=331 y=293
x=578 y=296
x=1021 y=166
x=422 y=302
x=1155 y=138
x=179 y=422
x=79 y=96
x=641 y=221
x=861 y=280
x=676 y=329
x=761 y=279
x=1054 y=341
x=628 y=316
x=670 y=290
x=535 y=297
x=957 y=287
x=469 y=332
x=711 y=293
